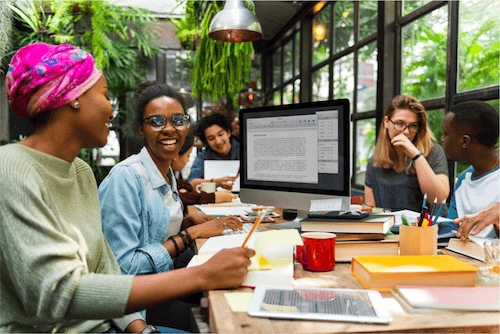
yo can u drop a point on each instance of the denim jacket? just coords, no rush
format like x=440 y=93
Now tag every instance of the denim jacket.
x=134 y=215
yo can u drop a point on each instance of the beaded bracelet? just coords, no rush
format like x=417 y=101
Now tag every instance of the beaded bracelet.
x=175 y=244
x=184 y=239
x=188 y=236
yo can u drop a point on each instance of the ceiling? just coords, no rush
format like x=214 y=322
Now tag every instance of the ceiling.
x=272 y=15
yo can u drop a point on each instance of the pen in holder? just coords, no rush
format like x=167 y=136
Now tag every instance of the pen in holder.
x=416 y=240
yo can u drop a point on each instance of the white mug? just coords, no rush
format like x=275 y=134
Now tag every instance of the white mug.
x=208 y=187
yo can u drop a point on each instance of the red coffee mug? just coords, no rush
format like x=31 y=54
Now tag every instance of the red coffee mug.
x=318 y=251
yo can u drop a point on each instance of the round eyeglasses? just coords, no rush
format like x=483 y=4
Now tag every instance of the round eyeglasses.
x=400 y=126
x=158 y=122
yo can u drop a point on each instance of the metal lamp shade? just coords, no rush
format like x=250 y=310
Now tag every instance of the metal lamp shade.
x=235 y=23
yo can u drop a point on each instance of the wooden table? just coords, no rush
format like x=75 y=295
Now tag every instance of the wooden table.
x=223 y=320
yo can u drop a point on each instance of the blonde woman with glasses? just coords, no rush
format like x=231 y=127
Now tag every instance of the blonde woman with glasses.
x=407 y=162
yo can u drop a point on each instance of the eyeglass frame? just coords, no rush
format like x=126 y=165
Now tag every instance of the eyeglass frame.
x=184 y=126
x=405 y=126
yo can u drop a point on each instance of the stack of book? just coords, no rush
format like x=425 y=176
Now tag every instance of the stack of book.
x=357 y=237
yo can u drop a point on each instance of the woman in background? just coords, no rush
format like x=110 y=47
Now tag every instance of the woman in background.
x=215 y=132
x=186 y=192
x=58 y=271
x=407 y=162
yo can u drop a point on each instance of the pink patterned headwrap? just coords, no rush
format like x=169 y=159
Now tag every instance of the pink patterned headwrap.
x=42 y=77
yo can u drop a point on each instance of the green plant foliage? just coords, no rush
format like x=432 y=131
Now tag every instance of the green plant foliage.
x=425 y=75
x=119 y=38
x=220 y=68
x=5 y=29
x=187 y=31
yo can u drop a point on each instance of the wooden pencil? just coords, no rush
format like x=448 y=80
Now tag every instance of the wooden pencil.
x=254 y=227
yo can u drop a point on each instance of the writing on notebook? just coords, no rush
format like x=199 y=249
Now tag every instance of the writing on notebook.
x=273 y=261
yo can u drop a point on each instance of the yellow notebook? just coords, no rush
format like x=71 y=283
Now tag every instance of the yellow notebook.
x=383 y=272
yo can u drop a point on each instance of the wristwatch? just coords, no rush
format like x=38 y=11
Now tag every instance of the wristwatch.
x=150 y=329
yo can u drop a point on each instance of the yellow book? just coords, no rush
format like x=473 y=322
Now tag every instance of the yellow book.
x=383 y=272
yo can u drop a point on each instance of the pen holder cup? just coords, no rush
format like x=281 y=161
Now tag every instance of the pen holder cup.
x=414 y=240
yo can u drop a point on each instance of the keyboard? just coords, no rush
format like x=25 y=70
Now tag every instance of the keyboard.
x=246 y=228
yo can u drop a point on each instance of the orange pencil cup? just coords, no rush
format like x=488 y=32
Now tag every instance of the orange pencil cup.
x=414 y=240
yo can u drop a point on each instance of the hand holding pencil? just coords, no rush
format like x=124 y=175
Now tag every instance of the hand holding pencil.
x=256 y=224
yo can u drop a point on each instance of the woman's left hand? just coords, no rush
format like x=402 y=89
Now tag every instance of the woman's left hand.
x=402 y=142
x=215 y=227
x=199 y=218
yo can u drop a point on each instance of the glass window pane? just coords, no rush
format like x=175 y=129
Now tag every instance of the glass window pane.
x=365 y=144
x=179 y=68
x=411 y=5
x=287 y=61
x=296 y=91
x=367 y=77
x=256 y=70
x=288 y=94
x=367 y=18
x=343 y=78
x=424 y=55
x=320 y=84
x=277 y=68
x=297 y=53
x=321 y=35
x=435 y=121
x=494 y=103
x=276 y=98
x=343 y=25
x=479 y=44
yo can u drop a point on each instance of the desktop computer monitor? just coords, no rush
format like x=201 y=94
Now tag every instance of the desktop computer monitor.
x=292 y=154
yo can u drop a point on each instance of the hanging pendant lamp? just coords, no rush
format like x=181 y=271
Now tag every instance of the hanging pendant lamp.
x=235 y=23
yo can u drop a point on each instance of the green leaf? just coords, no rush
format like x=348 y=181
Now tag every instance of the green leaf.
x=475 y=49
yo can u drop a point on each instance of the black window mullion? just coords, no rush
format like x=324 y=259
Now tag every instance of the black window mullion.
x=452 y=73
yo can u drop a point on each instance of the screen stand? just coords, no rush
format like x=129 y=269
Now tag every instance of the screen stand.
x=296 y=223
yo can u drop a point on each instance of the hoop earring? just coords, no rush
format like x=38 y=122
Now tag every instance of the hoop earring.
x=77 y=105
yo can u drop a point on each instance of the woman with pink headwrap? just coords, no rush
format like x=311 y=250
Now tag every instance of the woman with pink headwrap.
x=58 y=273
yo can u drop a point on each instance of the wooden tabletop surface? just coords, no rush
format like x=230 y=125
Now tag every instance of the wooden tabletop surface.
x=223 y=320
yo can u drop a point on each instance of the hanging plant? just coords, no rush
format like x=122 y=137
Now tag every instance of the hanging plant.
x=220 y=68
x=188 y=34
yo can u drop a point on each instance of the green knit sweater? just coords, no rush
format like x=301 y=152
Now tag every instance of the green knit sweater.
x=58 y=273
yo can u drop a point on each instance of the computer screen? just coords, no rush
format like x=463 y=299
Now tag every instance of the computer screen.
x=292 y=154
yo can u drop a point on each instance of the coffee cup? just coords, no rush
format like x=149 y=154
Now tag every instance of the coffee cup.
x=208 y=187
x=318 y=251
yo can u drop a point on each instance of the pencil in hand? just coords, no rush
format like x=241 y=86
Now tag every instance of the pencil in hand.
x=256 y=224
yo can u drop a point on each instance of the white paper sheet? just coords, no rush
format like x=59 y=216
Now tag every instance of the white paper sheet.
x=326 y=204
x=220 y=168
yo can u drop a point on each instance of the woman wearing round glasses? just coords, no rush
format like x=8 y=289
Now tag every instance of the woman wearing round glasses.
x=407 y=162
x=142 y=214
